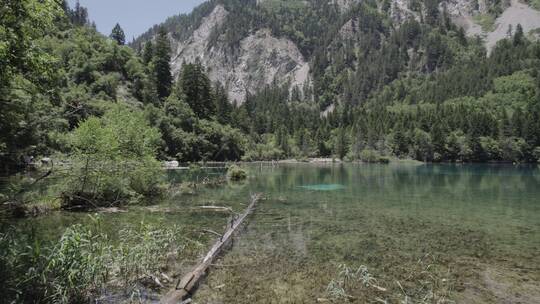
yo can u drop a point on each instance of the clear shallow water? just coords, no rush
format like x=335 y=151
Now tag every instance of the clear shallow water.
x=465 y=233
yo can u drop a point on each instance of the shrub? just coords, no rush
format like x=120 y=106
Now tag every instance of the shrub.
x=490 y=148
x=114 y=159
x=266 y=149
x=236 y=173
x=513 y=148
x=372 y=156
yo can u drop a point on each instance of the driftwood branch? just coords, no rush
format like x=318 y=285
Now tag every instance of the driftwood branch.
x=212 y=209
x=189 y=282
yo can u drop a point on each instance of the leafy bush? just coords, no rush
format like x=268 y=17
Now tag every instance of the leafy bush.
x=266 y=150
x=490 y=148
x=513 y=148
x=372 y=156
x=114 y=159
x=236 y=173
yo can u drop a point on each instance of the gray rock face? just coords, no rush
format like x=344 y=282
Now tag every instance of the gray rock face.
x=462 y=13
x=517 y=13
x=260 y=59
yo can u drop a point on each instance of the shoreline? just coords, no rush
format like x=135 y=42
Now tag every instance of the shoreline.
x=328 y=160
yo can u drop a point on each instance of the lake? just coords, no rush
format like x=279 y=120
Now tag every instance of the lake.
x=364 y=233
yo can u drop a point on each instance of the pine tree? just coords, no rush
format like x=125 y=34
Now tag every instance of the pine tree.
x=518 y=36
x=148 y=52
x=282 y=140
x=223 y=107
x=432 y=11
x=79 y=16
x=194 y=83
x=118 y=34
x=340 y=146
x=162 y=67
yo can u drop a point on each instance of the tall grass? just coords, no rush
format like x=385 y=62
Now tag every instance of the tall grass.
x=83 y=264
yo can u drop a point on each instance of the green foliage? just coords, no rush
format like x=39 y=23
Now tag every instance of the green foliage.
x=421 y=90
x=340 y=143
x=114 y=159
x=188 y=138
x=266 y=149
x=162 y=69
x=515 y=89
x=372 y=156
x=78 y=266
x=26 y=73
x=22 y=23
x=82 y=263
x=118 y=35
x=235 y=173
x=195 y=85
x=224 y=108
x=143 y=252
x=422 y=147
x=67 y=273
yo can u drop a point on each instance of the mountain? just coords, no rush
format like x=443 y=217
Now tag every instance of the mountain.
x=246 y=45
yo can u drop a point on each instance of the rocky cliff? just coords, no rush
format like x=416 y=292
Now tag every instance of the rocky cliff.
x=260 y=59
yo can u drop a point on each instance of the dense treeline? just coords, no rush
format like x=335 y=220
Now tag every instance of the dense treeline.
x=60 y=72
x=379 y=79
x=483 y=110
x=421 y=89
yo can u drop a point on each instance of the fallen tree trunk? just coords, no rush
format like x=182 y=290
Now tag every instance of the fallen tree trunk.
x=212 y=209
x=189 y=282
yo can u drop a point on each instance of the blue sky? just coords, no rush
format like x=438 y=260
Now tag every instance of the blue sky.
x=135 y=16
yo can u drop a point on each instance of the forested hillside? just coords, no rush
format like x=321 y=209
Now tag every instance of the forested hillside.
x=387 y=78
x=380 y=83
x=58 y=71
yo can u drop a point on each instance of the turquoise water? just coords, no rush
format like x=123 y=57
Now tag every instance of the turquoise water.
x=426 y=233
x=323 y=187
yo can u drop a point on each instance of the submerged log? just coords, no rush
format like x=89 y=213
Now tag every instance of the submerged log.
x=189 y=282
x=212 y=209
